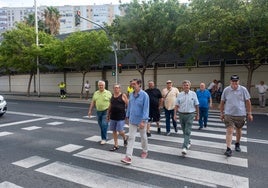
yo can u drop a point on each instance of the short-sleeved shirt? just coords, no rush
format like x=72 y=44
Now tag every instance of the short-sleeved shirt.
x=203 y=98
x=154 y=95
x=235 y=100
x=102 y=99
x=187 y=102
x=262 y=88
x=170 y=97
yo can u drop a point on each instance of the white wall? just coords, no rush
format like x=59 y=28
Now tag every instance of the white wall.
x=49 y=82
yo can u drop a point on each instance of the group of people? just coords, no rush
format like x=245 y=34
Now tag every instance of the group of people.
x=139 y=109
x=215 y=88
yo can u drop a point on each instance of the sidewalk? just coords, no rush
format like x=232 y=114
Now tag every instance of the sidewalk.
x=75 y=98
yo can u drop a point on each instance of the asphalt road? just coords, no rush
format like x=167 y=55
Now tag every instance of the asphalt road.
x=55 y=145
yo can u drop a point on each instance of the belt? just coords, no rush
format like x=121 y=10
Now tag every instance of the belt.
x=186 y=112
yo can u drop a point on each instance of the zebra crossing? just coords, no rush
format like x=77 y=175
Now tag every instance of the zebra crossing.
x=208 y=146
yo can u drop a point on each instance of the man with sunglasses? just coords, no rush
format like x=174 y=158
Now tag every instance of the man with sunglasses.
x=235 y=108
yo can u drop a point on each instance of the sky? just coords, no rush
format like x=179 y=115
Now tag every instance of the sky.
x=29 y=3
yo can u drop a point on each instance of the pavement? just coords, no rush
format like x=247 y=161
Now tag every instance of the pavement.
x=75 y=98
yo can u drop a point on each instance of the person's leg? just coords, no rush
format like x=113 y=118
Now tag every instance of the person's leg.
x=205 y=114
x=167 y=115
x=182 y=122
x=260 y=100
x=201 y=116
x=104 y=125
x=189 y=118
x=144 y=140
x=173 y=121
x=120 y=129
x=229 y=136
x=131 y=139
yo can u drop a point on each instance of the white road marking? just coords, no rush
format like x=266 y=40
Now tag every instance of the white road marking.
x=6 y=184
x=5 y=133
x=22 y=122
x=30 y=162
x=31 y=128
x=259 y=141
x=69 y=148
x=87 y=177
x=171 y=170
x=55 y=123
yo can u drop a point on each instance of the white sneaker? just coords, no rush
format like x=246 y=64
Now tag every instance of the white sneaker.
x=103 y=142
x=184 y=151
x=188 y=146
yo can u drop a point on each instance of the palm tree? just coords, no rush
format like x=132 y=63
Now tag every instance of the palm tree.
x=30 y=21
x=52 y=22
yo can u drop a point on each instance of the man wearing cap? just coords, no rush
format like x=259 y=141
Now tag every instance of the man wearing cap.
x=262 y=88
x=235 y=108
x=169 y=95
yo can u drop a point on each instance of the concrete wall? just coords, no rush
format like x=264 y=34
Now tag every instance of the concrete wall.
x=49 y=82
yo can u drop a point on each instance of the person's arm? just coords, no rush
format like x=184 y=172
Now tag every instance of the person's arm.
x=210 y=102
x=175 y=112
x=222 y=110
x=92 y=104
x=197 y=112
x=108 y=112
x=125 y=99
x=249 y=110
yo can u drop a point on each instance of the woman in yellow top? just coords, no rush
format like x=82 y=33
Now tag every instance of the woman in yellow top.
x=101 y=99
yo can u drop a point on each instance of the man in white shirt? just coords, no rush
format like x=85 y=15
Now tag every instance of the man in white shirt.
x=262 y=88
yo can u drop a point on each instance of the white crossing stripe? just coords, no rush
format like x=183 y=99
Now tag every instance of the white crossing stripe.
x=204 y=134
x=175 y=171
x=31 y=128
x=5 y=133
x=55 y=123
x=69 y=148
x=86 y=177
x=30 y=162
x=207 y=144
x=6 y=184
x=22 y=122
x=218 y=158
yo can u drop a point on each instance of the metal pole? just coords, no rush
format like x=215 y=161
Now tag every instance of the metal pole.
x=113 y=45
x=37 y=44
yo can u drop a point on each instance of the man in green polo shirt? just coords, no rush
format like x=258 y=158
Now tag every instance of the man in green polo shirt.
x=101 y=99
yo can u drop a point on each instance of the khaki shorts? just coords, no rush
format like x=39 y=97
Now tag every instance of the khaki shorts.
x=235 y=121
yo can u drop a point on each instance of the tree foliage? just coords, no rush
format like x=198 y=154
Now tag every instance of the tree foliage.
x=148 y=27
x=83 y=49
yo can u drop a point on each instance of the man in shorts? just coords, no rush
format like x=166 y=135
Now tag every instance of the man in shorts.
x=235 y=108
x=154 y=110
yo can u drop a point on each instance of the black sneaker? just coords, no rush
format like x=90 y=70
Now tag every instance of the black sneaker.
x=205 y=125
x=228 y=152
x=176 y=129
x=158 y=130
x=149 y=135
x=237 y=147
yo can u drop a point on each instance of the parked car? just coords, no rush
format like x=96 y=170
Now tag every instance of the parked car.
x=3 y=106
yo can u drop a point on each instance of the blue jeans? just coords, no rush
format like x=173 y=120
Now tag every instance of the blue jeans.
x=203 y=116
x=186 y=121
x=168 y=114
x=101 y=115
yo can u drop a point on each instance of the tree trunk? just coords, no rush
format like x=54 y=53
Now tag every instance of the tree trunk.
x=83 y=83
x=29 y=85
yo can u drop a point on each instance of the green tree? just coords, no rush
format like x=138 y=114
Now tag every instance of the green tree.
x=148 y=28
x=19 y=50
x=237 y=27
x=52 y=22
x=83 y=49
x=30 y=21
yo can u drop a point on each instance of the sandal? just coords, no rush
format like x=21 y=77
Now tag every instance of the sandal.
x=114 y=148
x=125 y=141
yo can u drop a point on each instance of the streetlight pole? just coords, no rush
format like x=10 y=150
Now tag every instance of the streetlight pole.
x=37 y=44
x=110 y=38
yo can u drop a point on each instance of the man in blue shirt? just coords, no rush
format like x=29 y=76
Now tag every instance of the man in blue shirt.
x=137 y=117
x=205 y=101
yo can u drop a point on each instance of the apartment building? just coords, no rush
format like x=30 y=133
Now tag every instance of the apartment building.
x=100 y=14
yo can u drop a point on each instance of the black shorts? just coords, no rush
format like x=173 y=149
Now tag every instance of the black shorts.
x=154 y=115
